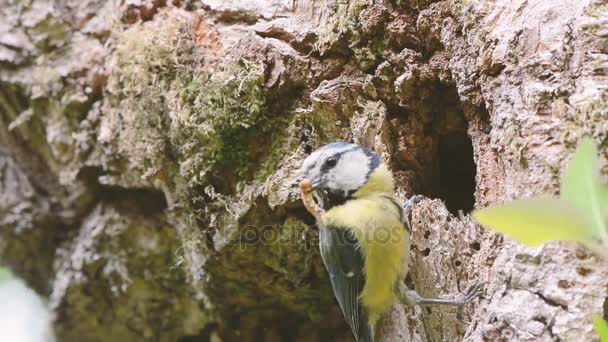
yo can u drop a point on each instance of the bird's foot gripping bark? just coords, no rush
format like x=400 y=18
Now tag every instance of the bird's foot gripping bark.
x=309 y=202
x=411 y=297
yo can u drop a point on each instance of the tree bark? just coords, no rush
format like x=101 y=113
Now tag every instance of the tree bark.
x=148 y=152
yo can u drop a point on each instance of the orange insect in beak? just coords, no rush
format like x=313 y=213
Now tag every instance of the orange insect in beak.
x=309 y=202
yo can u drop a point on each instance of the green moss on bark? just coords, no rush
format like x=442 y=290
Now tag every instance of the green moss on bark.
x=220 y=115
x=203 y=120
x=350 y=30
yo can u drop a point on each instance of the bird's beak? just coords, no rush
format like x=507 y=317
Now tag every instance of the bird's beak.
x=303 y=176
x=310 y=185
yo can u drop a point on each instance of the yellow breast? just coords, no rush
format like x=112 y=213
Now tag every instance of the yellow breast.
x=375 y=221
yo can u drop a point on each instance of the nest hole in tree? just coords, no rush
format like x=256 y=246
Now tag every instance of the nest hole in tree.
x=434 y=145
x=455 y=181
x=454 y=169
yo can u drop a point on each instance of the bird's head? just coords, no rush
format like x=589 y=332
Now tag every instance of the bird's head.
x=339 y=170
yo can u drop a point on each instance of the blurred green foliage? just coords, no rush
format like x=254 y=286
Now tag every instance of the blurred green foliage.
x=5 y=274
x=602 y=328
x=580 y=213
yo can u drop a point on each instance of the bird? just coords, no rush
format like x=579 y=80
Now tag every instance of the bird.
x=364 y=233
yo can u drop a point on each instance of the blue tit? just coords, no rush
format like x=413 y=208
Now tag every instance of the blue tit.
x=363 y=237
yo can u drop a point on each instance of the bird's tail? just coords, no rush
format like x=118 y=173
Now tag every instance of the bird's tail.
x=366 y=331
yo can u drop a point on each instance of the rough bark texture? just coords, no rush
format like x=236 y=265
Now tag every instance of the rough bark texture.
x=148 y=150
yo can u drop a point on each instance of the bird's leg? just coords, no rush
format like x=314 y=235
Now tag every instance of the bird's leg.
x=411 y=297
x=309 y=202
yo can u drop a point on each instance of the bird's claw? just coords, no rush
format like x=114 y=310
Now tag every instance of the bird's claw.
x=474 y=291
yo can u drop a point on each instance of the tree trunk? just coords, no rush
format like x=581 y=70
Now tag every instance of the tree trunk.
x=148 y=150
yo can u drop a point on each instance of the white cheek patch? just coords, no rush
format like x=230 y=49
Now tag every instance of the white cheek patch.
x=312 y=166
x=351 y=171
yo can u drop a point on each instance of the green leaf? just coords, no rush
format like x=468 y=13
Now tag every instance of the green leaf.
x=5 y=274
x=602 y=328
x=604 y=200
x=582 y=187
x=535 y=221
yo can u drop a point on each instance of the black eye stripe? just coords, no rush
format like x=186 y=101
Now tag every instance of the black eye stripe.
x=374 y=159
x=330 y=162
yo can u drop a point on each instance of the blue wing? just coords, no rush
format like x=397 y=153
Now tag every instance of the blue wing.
x=344 y=263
